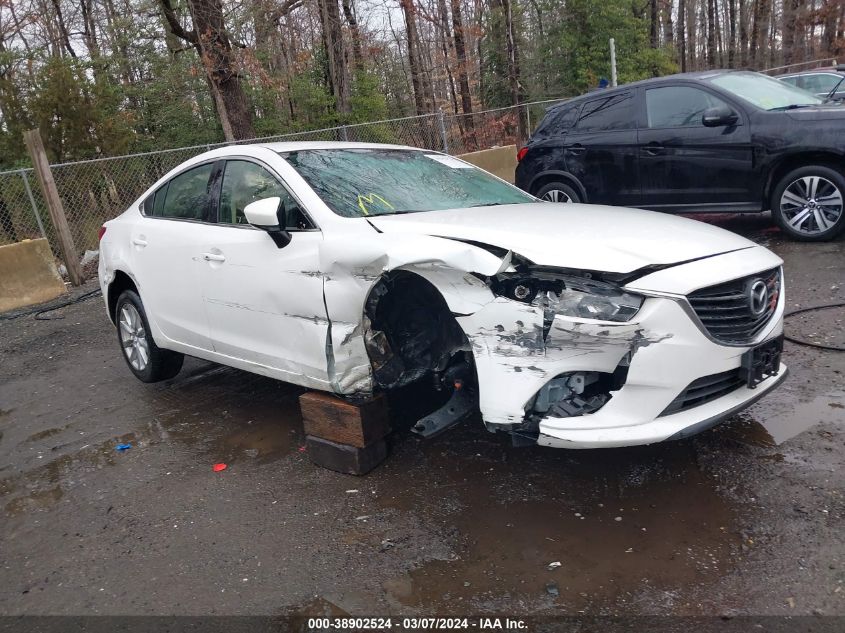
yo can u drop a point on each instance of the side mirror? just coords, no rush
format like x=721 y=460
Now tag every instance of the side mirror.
x=719 y=116
x=268 y=215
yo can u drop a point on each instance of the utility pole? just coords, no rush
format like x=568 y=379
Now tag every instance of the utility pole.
x=612 y=62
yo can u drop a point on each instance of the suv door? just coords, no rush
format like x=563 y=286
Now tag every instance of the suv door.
x=601 y=150
x=265 y=304
x=687 y=166
x=164 y=245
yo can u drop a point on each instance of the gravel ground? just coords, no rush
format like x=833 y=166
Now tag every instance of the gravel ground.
x=744 y=519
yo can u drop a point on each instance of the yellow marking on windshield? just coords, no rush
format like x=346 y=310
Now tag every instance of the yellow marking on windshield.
x=369 y=199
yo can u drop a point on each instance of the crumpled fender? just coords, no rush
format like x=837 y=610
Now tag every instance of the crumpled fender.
x=352 y=267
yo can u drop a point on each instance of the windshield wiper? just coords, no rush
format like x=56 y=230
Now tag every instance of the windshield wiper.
x=833 y=90
x=792 y=106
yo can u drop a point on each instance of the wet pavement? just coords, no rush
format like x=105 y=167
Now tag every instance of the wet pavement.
x=746 y=518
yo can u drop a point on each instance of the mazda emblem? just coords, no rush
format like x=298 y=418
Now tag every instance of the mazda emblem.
x=758 y=297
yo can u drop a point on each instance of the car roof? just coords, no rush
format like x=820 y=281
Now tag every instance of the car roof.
x=293 y=146
x=815 y=71
x=700 y=75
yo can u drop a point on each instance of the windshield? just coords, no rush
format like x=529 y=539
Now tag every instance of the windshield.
x=765 y=92
x=366 y=182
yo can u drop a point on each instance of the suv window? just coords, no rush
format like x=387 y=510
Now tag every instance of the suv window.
x=678 y=106
x=557 y=122
x=615 y=112
x=245 y=182
x=185 y=197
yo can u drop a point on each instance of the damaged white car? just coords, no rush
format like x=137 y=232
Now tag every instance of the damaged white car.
x=354 y=268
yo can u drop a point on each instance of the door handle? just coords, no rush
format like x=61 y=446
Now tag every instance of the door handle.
x=576 y=149
x=138 y=241
x=213 y=257
x=654 y=149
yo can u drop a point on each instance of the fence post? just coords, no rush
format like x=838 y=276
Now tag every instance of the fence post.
x=54 y=204
x=344 y=133
x=35 y=211
x=441 y=118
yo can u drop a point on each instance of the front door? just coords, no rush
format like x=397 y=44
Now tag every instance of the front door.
x=600 y=150
x=264 y=303
x=687 y=166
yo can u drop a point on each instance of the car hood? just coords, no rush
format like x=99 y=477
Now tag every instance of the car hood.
x=582 y=236
x=818 y=113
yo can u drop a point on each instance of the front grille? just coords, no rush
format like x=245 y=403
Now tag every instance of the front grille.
x=726 y=311
x=705 y=390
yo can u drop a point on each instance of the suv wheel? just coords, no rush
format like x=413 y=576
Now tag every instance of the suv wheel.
x=809 y=203
x=558 y=192
x=147 y=360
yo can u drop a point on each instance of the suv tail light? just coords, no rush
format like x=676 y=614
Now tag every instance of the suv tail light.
x=521 y=154
x=101 y=232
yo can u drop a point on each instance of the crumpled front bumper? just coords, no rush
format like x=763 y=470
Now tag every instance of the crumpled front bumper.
x=665 y=349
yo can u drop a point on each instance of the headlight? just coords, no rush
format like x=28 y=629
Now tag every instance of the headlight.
x=568 y=295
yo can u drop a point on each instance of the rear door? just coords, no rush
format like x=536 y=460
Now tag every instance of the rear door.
x=165 y=245
x=684 y=165
x=601 y=150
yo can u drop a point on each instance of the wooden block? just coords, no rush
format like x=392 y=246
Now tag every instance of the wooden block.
x=344 y=458
x=331 y=418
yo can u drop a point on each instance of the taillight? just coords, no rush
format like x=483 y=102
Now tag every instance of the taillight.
x=521 y=154
x=100 y=233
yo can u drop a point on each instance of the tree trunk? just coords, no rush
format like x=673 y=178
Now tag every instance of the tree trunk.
x=711 y=33
x=732 y=33
x=743 y=34
x=355 y=33
x=417 y=79
x=654 y=24
x=338 y=74
x=514 y=78
x=212 y=43
x=461 y=54
x=682 y=36
x=668 y=27
x=790 y=13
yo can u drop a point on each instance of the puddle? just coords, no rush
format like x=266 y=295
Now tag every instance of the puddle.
x=217 y=412
x=769 y=426
x=617 y=522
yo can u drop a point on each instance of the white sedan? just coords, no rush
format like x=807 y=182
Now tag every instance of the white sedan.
x=355 y=268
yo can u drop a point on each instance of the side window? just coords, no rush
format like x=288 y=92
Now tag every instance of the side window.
x=820 y=83
x=154 y=204
x=678 y=106
x=557 y=122
x=186 y=196
x=245 y=182
x=615 y=112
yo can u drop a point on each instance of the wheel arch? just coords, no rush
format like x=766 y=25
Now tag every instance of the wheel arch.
x=548 y=176
x=795 y=160
x=119 y=283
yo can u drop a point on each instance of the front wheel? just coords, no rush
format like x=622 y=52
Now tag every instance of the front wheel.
x=146 y=360
x=808 y=203
x=558 y=192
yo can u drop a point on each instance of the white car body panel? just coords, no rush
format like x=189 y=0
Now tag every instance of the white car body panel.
x=298 y=313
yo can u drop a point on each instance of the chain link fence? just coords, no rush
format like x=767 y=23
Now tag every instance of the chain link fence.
x=93 y=191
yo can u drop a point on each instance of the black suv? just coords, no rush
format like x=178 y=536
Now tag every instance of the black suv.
x=719 y=141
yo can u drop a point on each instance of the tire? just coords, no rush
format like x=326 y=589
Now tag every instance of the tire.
x=797 y=203
x=136 y=343
x=558 y=192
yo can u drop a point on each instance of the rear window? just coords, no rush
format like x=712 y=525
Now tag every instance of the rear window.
x=557 y=121
x=615 y=112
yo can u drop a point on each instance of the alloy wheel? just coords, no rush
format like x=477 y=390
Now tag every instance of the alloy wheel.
x=133 y=337
x=811 y=204
x=556 y=195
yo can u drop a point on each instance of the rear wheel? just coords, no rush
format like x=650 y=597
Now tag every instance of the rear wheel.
x=145 y=359
x=809 y=203
x=558 y=192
